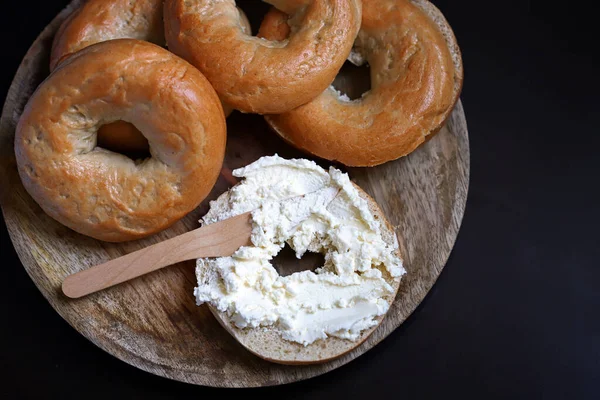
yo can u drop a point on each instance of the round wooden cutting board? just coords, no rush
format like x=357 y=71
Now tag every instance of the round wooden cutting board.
x=152 y=322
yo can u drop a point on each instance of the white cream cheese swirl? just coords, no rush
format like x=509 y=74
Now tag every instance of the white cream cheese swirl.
x=343 y=297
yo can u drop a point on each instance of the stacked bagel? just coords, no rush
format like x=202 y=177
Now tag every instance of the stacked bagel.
x=163 y=76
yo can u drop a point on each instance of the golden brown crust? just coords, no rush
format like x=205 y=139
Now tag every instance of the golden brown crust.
x=257 y=75
x=101 y=20
x=275 y=25
x=122 y=137
x=416 y=79
x=103 y=194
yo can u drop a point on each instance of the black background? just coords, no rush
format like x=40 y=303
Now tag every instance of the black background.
x=515 y=313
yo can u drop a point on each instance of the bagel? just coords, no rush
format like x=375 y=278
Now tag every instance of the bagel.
x=106 y=195
x=101 y=20
x=261 y=76
x=306 y=317
x=416 y=79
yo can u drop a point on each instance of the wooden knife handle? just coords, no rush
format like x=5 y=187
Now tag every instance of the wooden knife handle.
x=214 y=240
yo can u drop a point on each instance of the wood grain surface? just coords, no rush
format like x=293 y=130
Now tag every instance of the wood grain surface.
x=152 y=322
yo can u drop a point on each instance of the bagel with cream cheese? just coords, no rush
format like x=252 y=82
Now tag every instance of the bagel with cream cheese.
x=416 y=79
x=308 y=316
x=261 y=76
x=107 y=195
x=268 y=343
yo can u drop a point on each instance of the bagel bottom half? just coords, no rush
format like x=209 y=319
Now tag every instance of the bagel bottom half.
x=269 y=345
x=304 y=344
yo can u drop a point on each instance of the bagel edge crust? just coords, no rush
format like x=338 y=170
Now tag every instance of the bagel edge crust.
x=101 y=20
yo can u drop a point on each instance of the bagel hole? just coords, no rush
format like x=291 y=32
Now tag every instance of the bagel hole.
x=286 y=263
x=123 y=138
x=353 y=81
x=255 y=12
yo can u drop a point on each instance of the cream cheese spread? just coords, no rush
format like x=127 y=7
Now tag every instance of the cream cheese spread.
x=343 y=297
